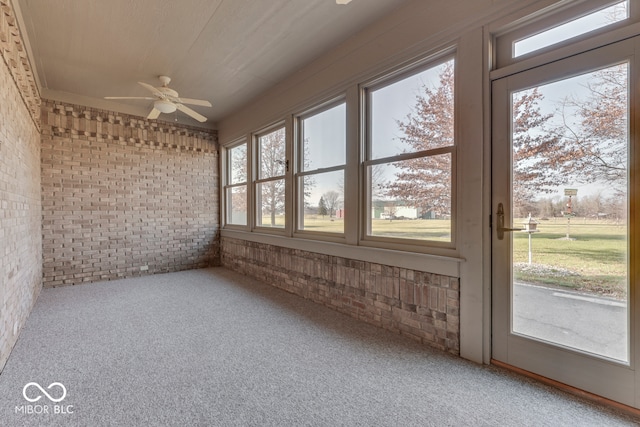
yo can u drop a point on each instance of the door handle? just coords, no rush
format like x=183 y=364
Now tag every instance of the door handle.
x=500 y=228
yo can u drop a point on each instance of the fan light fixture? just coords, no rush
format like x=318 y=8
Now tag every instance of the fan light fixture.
x=166 y=101
x=164 y=106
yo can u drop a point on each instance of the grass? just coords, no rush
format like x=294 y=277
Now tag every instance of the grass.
x=436 y=230
x=324 y=224
x=594 y=260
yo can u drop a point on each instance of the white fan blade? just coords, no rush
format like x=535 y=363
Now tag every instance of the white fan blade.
x=188 y=111
x=127 y=97
x=190 y=101
x=152 y=89
x=154 y=114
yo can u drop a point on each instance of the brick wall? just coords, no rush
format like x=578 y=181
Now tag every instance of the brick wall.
x=423 y=306
x=20 y=203
x=124 y=196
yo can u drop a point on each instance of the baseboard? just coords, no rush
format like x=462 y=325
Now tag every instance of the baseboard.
x=569 y=389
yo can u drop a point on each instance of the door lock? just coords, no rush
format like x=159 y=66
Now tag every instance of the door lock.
x=500 y=228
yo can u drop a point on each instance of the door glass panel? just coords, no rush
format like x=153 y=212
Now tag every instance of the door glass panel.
x=569 y=182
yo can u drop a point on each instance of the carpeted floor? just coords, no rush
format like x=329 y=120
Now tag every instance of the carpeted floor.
x=213 y=348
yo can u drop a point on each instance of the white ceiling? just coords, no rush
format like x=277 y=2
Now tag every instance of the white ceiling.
x=224 y=51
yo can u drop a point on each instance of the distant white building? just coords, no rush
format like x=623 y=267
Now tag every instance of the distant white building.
x=390 y=212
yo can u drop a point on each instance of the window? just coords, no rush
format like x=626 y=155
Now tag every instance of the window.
x=270 y=183
x=411 y=155
x=236 y=185
x=395 y=189
x=576 y=27
x=562 y=26
x=321 y=169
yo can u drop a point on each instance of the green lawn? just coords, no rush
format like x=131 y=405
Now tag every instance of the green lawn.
x=324 y=224
x=421 y=229
x=594 y=260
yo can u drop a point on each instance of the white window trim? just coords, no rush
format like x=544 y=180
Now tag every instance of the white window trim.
x=422 y=255
x=226 y=183
x=409 y=245
x=300 y=172
x=256 y=180
x=504 y=36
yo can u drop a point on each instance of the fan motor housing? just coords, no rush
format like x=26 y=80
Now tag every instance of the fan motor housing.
x=167 y=91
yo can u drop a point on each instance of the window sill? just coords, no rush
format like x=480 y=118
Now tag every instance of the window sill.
x=437 y=264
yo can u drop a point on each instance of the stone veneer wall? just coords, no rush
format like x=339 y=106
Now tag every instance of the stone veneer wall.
x=124 y=196
x=423 y=306
x=20 y=201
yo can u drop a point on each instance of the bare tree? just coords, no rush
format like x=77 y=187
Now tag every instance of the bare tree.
x=537 y=151
x=239 y=175
x=425 y=182
x=598 y=139
x=271 y=194
x=332 y=200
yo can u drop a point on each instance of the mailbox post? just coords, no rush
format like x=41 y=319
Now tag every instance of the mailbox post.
x=530 y=227
x=569 y=192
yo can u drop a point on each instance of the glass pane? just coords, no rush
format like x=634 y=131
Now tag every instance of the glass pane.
x=238 y=164
x=272 y=154
x=237 y=205
x=413 y=114
x=270 y=203
x=411 y=199
x=583 y=25
x=570 y=271
x=323 y=196
x=323 y=139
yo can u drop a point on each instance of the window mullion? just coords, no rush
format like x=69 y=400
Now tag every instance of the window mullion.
x=409 y=156
x=288 y=176
x=239 y=184
x=321 y=170
x=272 y=178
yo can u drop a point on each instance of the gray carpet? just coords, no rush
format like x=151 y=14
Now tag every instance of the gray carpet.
x=212 y=348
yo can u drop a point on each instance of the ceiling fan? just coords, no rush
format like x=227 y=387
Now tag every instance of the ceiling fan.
x=166 y=100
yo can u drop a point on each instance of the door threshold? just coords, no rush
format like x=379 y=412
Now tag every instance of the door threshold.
x=630 y=410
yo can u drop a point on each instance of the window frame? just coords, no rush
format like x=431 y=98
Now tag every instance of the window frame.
x=227 y=184
x=366 y=89
x=256 y=180
x=299 y=171
x=354 y=238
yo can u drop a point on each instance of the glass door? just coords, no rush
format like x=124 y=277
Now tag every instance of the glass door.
x=563 y=251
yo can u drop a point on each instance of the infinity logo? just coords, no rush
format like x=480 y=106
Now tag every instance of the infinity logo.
x=64 y=392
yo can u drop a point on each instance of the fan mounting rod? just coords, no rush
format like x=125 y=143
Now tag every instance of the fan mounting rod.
x=164 y=80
